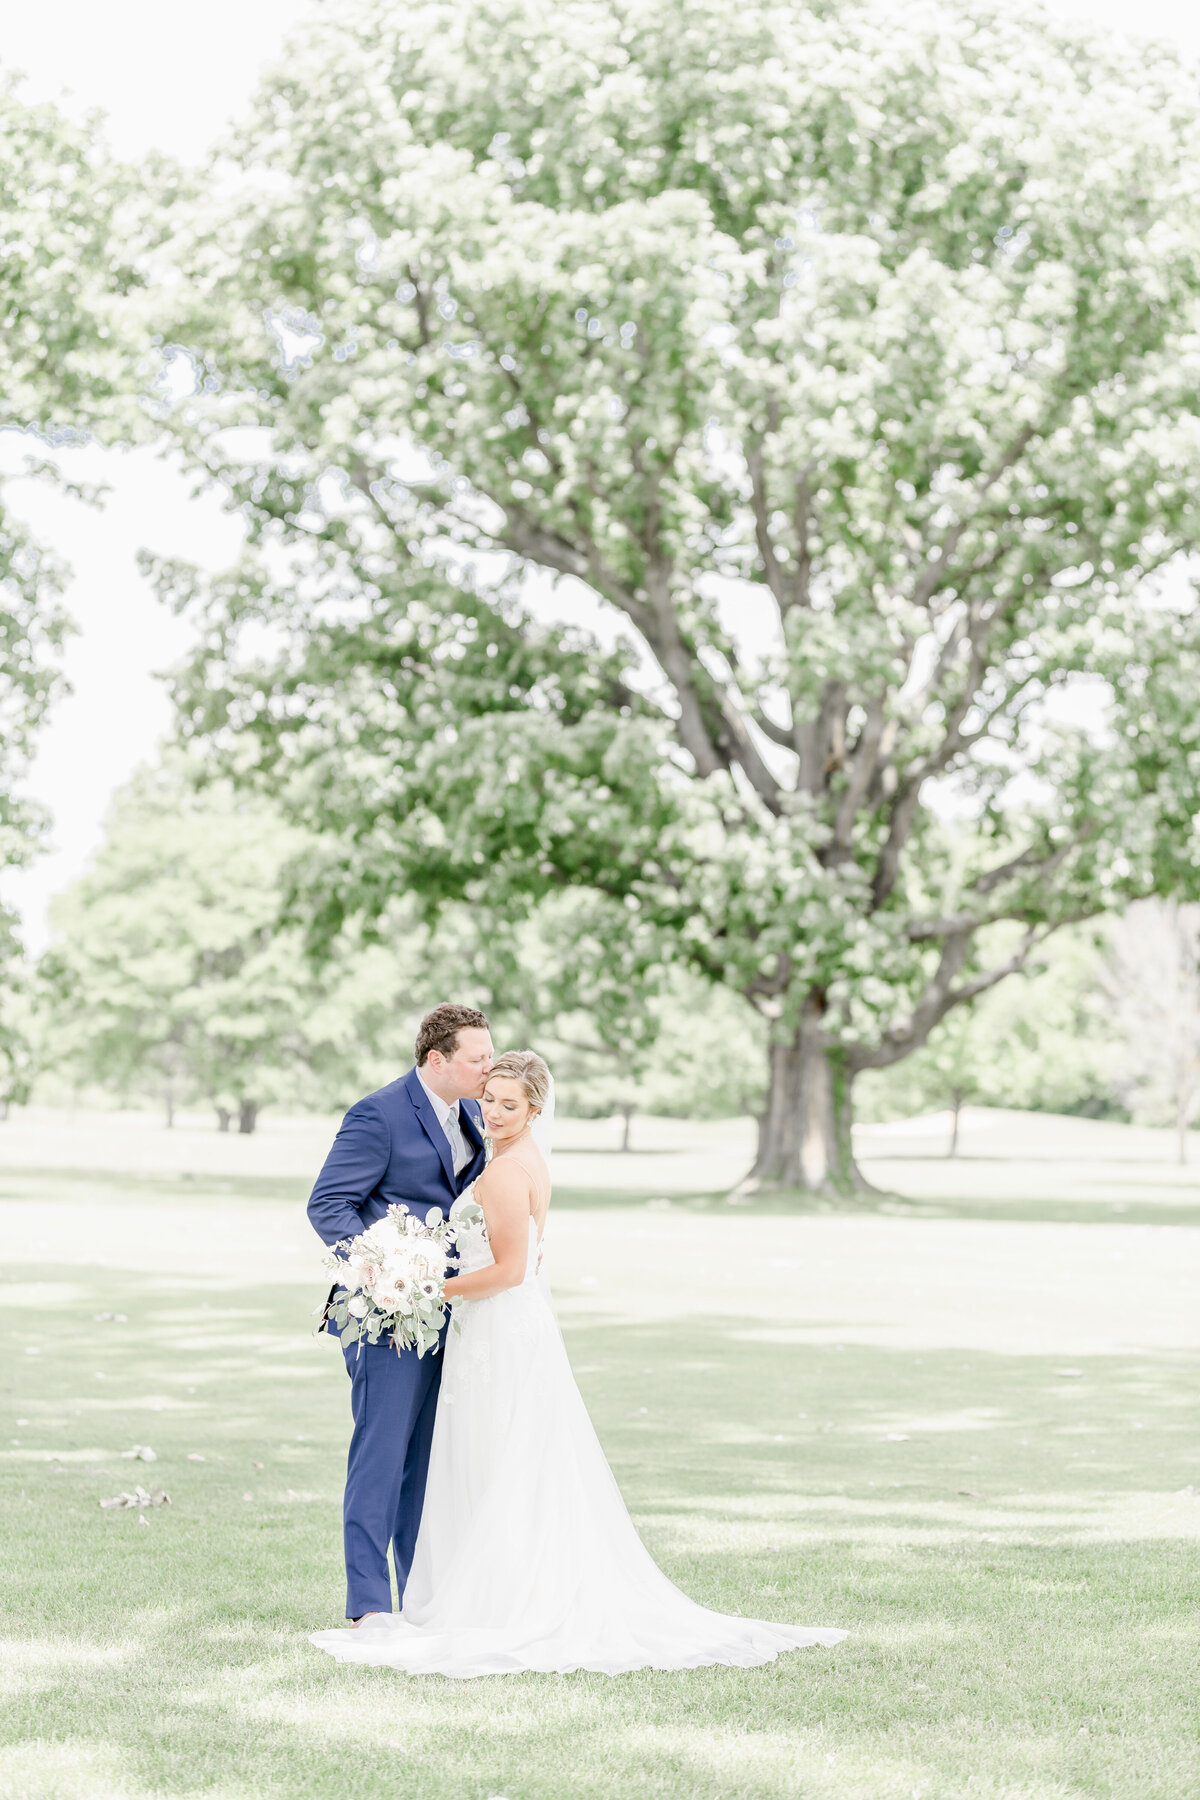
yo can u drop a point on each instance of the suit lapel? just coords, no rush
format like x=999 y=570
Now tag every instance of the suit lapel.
x=430 y=1124
x=473 y=1132
x=472 y=1127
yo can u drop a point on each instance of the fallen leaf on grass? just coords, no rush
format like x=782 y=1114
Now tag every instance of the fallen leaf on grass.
x=140 y=1453
x=110 y=1318
x=255 y=1465
x=896 y=1437
x=968 y=1493
x=140 y=1497
x=194 y=1456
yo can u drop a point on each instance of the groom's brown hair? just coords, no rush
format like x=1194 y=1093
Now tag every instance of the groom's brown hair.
x=439 y=1029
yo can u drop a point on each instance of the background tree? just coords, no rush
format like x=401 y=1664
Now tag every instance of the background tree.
x=19 y=1029
x=173 y=971
x=703 y=1056
x=1044 y=1042
x=1153 y=979
x=847 y=359
x=956 y=1064
x=61 y=282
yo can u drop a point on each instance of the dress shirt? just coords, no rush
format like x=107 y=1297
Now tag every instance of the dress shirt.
x=448 y=1119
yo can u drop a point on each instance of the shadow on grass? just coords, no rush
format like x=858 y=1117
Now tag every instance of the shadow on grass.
x=793 y=1203
x=96 y=1188
x=98 y=1185
x=1005 y=1544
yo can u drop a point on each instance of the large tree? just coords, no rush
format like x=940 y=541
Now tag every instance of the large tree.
x=848 y=359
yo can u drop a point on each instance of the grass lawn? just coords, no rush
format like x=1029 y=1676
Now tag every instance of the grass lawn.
x=965 y=1435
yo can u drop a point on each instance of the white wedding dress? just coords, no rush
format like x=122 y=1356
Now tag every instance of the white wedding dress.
x=526 y=1557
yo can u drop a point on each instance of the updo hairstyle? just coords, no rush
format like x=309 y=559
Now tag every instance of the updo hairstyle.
x=526 y=1067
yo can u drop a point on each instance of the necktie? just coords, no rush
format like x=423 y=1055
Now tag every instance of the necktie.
x=458 y=1143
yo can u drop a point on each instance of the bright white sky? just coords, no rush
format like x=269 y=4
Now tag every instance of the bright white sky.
x=169 y=78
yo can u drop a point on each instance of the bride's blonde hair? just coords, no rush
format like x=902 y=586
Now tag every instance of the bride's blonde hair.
x=527 y=1067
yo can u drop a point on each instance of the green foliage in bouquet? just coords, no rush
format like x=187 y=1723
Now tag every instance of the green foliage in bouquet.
x=391 y=1279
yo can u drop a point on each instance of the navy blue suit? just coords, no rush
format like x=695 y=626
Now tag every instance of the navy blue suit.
x=390 y=1150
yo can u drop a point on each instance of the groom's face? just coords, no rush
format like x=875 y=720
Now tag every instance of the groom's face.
x=466 y=1070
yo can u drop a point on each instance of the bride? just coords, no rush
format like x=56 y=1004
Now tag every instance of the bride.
x=526 y=1557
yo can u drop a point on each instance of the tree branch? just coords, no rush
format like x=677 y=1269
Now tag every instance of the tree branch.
x=934 y=574
x=1028 y=859
x=777 y=580
x=778 y=734
x=941 y=996
x=861 y=774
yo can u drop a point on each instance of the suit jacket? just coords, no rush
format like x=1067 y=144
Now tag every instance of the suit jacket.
x=390 y=1151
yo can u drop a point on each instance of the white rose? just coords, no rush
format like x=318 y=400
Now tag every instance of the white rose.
x=358 y=1306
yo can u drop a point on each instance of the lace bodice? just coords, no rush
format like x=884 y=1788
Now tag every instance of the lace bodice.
x=471 y=1238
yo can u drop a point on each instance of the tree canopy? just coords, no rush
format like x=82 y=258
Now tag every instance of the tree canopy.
x=174 y=975
x=847 y=358
x=63 y=283
x=58 y=290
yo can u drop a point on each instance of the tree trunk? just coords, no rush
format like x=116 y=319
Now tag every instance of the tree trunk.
x=247 y=1117
x=224 y=1118
x=169 y=1104
x=627 y=1111
x=804 y=1134
x=956 y=1106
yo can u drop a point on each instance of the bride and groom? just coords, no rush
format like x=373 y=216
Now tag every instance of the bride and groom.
x=478 y=1464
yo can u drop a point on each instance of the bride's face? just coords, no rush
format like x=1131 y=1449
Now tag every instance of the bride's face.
x=506 y=1111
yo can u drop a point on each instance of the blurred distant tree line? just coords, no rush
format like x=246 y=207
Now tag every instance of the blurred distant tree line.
x=877 y=332
x=175 y=976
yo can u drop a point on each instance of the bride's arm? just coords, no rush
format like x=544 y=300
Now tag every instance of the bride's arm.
x=503 y=1193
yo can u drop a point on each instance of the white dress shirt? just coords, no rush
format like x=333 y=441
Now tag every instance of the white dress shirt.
x=448 y=1119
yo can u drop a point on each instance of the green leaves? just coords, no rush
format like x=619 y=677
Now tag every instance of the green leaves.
x=882 y=332
x=63 y=284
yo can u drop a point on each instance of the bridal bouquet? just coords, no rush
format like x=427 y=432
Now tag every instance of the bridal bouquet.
x=393 y=1275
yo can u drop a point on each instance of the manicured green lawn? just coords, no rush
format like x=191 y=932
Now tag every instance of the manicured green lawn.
x=1007 y=1545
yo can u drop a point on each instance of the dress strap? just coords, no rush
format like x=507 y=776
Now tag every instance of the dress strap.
x=539 y=1176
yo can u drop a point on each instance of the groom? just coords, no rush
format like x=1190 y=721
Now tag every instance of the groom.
x=417 y=1142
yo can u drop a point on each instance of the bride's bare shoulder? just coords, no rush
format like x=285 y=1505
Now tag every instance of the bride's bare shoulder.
x=503 y=1178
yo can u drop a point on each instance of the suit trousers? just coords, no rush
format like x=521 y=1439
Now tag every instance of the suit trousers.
x=393 y=1399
